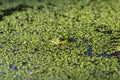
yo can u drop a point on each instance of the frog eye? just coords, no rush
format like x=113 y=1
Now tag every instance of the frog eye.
x=61 y=39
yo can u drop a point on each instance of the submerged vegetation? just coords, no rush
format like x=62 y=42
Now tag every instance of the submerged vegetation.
x=60 y=40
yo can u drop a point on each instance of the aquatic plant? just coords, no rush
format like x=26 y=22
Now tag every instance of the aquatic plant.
x=59 y=39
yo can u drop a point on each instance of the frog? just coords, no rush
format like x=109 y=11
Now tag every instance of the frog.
x=59 y=41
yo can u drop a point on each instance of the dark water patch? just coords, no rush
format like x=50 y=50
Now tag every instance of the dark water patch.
x=40 y=7
x=1 y=32
x=78 y=46
x=115 y=42
x=105 y=55
x=116 y=54
x=1 y=3
x=72 y=40
x=3 y=73
x=98 y=55
x=49 y=4
x=21 y=7
x=116 y=30
x=115 y=37
x=61 y=39
x=24 y=63
x=89 y=51
x=40 y=0
x=68 y=76
x=113 y=55
x=11 y=0
x=12 y=66
x=105 y=32
x=102 y=55
x=2 y=44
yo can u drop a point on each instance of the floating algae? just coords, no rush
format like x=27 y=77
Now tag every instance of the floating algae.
x=115 y=40
x=115 y=43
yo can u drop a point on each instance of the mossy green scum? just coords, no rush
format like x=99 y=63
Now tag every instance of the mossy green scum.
x=48 y=39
